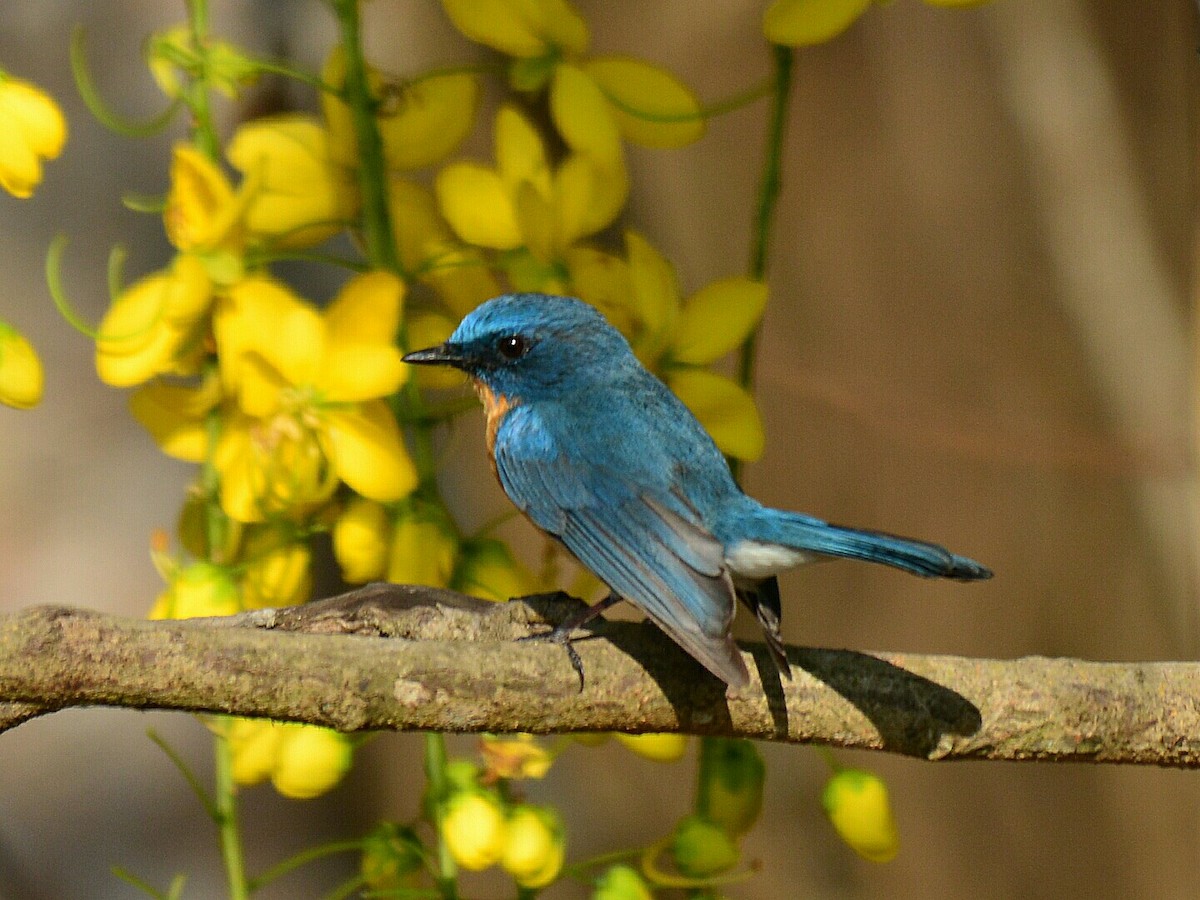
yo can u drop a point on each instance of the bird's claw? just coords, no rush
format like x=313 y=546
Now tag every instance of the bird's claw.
x=561 y=633
x=561 y=636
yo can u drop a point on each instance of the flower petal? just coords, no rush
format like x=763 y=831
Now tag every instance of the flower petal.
x=366 y=310
x=583 y=117
x=424 y=122
x=655 y=296
x=477 y=206
x=497 y=24
x=300 y=195
x=650 y=105
x=718 y=318
x=723 y=408
x=798 y=23
x=263 y=315
x=587 y=197
x=368 y=452
x=174 y=416
x=21 y=373
x=520 y=152
x=602 y=279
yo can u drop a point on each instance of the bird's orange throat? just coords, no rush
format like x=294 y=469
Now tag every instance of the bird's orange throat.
x=495 y=408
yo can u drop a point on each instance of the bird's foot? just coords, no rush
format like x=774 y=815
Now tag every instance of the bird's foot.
x=561 y=633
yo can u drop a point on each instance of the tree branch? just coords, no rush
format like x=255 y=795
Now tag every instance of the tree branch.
x=412 y=658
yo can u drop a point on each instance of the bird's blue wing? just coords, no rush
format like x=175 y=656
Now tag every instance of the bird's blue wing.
x=627 y=526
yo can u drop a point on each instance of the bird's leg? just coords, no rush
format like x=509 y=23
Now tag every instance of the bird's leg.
x=561 y=633
x=763 y=600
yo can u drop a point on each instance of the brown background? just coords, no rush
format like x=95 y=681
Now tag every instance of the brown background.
x=980 y=333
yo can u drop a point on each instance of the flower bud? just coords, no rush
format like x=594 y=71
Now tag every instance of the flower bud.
x=533 y=847
x=254 y=745
x=621 y=882
x=488 y=570
x=197 y=590
x=360 y=540
x=473 y=828
x=21 y=376
x=856 y=802
x=277 y=570
x=702 y=849
x=392 y=857
x=311 y=761
x=424 y=546
x=664 y=748
x=34 y=130
x=732 y=775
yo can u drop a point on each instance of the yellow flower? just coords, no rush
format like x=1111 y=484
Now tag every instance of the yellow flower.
x=21 y=376
x=517 y=756
x=424 y=545
x=32 y=128
x=277 y=569
x=300 y=197
x=198 y=590
x=361 y=537
x=156 y=326
x=534 y=847
x=311 y=760
x=473 y=828
x=857 y=804
x=594 y=101
x=665 y=748
x=421 y=121
x=702 y=849
x=488 y=570
x=799 y=23
x=526 y=203
x=309 y=390
x=677 y=338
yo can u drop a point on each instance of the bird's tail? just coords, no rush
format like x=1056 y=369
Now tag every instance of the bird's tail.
x=918 y=557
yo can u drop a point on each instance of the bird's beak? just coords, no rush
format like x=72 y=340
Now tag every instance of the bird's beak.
x=446 y=354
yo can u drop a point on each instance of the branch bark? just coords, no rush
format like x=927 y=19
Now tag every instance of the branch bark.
x=413 y=658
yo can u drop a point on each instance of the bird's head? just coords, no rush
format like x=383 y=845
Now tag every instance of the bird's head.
x=533 y=346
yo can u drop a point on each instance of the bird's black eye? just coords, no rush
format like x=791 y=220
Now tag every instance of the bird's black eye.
x=512 y=346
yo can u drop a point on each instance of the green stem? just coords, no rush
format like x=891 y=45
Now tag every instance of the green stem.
x=227 y=821
x=372 y=169
x=439 y=787
x=768 y=195
x=302 y=858
x=204 y=132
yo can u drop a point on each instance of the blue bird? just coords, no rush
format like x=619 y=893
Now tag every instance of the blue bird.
x=599 y=454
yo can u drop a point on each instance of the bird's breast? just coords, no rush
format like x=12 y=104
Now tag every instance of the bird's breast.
x=495 y=408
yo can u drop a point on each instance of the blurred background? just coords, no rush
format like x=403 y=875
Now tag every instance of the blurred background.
x=980 y=333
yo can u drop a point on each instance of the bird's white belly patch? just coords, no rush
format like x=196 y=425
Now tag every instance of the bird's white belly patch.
x=752 y=559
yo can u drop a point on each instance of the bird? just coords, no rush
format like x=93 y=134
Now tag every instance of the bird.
x=599 y=454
